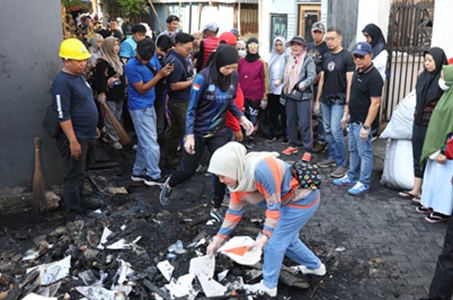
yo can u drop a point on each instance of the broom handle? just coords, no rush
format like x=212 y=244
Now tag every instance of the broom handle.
x=37 y=141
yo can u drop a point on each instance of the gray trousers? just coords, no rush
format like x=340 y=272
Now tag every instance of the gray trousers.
x=299 y=112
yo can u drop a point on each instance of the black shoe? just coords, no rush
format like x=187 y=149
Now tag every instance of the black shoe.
x=250 y=143
x=151 y=182
x=318 y=147
x=164 y=196
x=216 y=214
x=271 y=139
x=285 y=141
x=93 y=203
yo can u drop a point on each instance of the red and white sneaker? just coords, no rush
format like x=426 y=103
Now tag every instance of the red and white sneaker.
x=306 y=157
x=290 y=150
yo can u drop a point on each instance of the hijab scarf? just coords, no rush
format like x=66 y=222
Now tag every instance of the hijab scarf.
x=427 y=88
x=108 y=55
x=225 y=55
x=292 y=70
x=252 y=57
x=95 y=51
x=377 y=38
x=233 y=161
x=276 y=56
x=441 y=121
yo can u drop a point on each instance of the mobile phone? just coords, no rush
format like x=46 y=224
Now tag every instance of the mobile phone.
x=171 y=61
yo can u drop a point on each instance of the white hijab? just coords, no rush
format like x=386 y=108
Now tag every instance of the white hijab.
x=233 y=161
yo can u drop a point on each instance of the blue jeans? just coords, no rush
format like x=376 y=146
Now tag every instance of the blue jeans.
x=321 y=131
x=285 y=239
x=299 y=112
x=361 y=155
x=332 y=115
x=148 y=152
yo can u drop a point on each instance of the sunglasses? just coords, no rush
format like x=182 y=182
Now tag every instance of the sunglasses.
x=252 y=45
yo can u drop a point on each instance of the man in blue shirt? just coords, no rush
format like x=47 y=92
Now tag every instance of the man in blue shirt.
x=178 y=87
x=142 y=77
x=127 y=49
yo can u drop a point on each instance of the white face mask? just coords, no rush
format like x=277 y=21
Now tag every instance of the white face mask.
x=442 y=84
x=242 y=53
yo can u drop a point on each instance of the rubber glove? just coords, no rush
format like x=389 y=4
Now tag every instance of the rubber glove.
x=214 y=245
x=247 y=125
x=189 y=144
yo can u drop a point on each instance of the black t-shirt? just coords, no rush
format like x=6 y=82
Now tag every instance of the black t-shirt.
x=335 y=67
x=317 y=52
x=365 y=85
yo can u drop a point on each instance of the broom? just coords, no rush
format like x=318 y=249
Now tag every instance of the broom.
x=122 y=134
x=38 y=200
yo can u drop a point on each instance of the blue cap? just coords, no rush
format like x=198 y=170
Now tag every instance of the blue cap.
x=235 y=32
x=362 y=48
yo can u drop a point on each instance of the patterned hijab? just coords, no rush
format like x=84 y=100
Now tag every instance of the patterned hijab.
x=233 y=161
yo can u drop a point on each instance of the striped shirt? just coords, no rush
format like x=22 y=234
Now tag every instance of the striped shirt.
x=275 y=186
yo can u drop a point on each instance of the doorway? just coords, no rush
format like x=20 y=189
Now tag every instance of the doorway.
x=308 y=14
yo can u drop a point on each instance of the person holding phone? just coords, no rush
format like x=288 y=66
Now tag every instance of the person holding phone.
x=212 y=94
x=178 y=88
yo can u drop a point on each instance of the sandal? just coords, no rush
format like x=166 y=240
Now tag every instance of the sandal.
x=406 y=195
x=423 y=210
x=436 y=217
x=416 y=200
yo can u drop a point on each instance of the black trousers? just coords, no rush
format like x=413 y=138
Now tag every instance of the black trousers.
x=442 y=284
x=275 y=110
x=418 y=138
x=74 y=173
x=189 y=164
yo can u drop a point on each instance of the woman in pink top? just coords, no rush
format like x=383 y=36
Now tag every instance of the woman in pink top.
x=254 y=81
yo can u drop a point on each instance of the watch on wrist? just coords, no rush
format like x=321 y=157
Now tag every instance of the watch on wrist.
x=366 y=127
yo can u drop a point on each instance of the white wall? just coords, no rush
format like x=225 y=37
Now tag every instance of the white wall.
x=265 y=9
x=372 y=11
x=443 y=26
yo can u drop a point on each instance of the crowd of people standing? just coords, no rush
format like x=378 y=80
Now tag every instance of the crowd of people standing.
x=181 y=93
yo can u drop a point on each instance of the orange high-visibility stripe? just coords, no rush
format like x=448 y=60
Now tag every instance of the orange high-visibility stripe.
x=304 y=206
x=273 y=214
x=232 y=218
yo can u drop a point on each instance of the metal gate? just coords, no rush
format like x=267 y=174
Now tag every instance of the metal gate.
x=409 y=35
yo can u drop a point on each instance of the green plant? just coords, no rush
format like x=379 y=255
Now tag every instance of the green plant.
x=132 y=8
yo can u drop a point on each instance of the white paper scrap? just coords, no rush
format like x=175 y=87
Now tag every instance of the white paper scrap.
x=50 y=273
x=105 y=234
x=125 y=269
x=33 y=296
x=250 y=258
x=166 y=269
x=211 y=288
x=202 y=265
x=182 y=288
x=95 y=292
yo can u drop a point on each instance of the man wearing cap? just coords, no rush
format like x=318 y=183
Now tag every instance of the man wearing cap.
x=78 y=116
x=362 y=112
x=317 y=50
x=333 y=94
x=208 y=44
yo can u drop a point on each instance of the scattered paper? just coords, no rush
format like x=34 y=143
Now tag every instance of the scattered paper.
x=202 y=265
x=95 y=292
x=182 y=288
x=249 y=257
x=166 y=269
x=31 y=254
x=222 y=275
x=211 y=288
x=340 y=249
x=125 y=269
x=33 y=296
x=52 y=272
x=105 y=234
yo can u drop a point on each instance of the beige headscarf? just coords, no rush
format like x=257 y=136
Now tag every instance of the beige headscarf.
x=233 y=161
x=108 y=55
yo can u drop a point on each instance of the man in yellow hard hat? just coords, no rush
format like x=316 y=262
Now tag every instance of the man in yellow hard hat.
x=78 y=116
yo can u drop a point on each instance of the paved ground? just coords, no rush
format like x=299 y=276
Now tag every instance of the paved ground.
x=378 y=229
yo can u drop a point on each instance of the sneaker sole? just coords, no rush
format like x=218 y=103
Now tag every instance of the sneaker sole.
x=288 y=154
x=137 y=179
x=327 y=166
x=357 y=194
x=337 y=175
x=153 y=183
x=344 y=184
x=162 y=200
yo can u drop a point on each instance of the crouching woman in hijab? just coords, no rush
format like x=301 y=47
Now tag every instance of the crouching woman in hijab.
x=261 y=179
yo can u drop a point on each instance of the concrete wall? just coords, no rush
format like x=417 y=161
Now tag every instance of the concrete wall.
x=443 y=26
x=31 y=34
x=371 y=11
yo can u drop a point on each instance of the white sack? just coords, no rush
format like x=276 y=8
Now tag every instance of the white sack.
x=398 y=165
x=400 y=125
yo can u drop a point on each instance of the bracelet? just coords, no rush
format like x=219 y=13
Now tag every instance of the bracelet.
x=366 y=127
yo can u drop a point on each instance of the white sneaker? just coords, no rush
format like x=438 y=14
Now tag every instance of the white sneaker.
x=260 y=289
x=116 y=145
x=321 y=271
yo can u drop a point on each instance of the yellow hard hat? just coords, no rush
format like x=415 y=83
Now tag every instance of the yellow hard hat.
x=74 y=49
